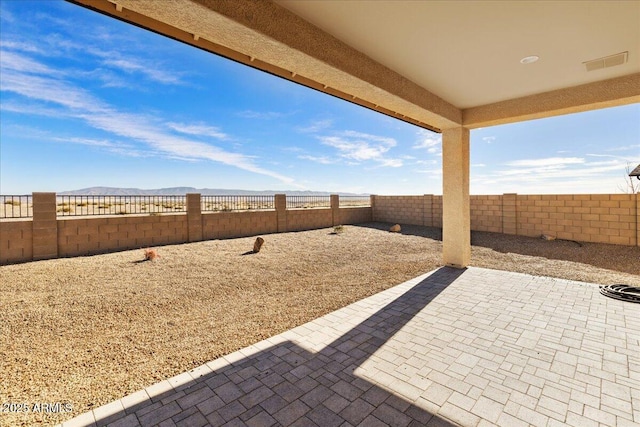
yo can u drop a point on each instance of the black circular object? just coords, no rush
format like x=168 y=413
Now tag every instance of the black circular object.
x=621 y=292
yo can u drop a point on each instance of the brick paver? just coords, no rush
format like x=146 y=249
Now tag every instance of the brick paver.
x=472 y=347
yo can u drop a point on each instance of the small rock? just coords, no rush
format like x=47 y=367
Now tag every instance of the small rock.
x=150 y=254
x=258 y=244
x=395 y=228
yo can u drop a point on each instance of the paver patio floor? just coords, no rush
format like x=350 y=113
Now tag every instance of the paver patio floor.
x=470 y=347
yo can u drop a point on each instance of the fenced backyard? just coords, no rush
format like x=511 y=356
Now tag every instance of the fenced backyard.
x=46 y=225
x=21 y=206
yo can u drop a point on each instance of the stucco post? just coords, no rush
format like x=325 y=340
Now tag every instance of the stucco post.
x=194 y=217
x=637 y=219
x=335 y=209
x=456 y=215
x=372 y=200
x=281 y=212
x=45 y=226
x=427 y=210
x=509 y=213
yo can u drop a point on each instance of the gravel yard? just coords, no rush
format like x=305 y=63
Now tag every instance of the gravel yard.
x=89 y=330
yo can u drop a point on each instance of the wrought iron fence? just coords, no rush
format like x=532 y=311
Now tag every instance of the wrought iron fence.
x=21 y=206
x=237 y=203
x=16 y=206
x=119 y=205
x=307 y=202
x=355 y=201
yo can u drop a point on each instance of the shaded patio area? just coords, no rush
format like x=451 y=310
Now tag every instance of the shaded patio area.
x=452 y=347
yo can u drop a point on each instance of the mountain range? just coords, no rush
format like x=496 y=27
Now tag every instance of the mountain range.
x=178 y=191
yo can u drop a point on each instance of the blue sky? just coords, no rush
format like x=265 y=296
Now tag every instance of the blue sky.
x=90 y=101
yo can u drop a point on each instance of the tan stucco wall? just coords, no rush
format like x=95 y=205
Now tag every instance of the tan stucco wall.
x=599 y=218
x=88 y=236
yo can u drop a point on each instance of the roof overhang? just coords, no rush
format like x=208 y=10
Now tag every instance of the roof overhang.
x=272 y=38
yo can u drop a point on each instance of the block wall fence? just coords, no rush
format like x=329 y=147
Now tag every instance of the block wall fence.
x=600 y=218
x=45 y=236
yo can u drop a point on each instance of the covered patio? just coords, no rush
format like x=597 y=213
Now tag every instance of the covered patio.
x=468 y=347
x=456 y=346
x=445 y=66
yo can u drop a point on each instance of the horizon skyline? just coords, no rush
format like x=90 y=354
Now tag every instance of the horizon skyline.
x=123 y=107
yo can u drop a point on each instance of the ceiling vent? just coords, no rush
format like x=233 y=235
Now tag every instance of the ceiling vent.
x=607 y=61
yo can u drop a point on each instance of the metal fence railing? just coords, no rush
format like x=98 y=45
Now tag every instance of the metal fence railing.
x=21 y=206
x=237 y=203
x=355 y=201
x=16 y=206
x=306 y=202
x=118 y=205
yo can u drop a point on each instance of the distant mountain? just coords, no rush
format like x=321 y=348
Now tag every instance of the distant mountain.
x=178 y=191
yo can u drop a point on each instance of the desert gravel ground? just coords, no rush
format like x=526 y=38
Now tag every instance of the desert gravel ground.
x=86 y=331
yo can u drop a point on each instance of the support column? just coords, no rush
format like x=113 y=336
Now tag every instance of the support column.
x=194 y=217
x=335 y=209
x=281 y=212
x=45 y=226
x=637 y=219
x=372 y=199
x=509 y=213
x=456 y=213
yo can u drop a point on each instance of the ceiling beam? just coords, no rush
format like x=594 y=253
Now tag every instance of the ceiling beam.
x=591 y=96
x=266 y=36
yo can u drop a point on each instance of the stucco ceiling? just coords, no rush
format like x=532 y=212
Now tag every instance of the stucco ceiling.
x=437 y=64
x=469 y=52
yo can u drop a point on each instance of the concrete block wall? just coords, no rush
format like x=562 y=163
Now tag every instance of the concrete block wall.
x=16 y=241
x=308 y=219
x=436 y=212
x=486 y=213
x=224 y=225
x=400 y=209
x=599 y=218
x=353 y=216
x=415 y=210
x=48 y=237
x=90 y=236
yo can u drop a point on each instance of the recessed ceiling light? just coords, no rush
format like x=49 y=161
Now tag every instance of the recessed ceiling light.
x=529 y=59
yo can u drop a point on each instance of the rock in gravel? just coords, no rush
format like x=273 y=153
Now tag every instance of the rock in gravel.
x=150 y=255
x=395 y=228
x=258 y=244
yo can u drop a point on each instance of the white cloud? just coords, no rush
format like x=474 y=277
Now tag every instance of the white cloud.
x=316 y=126
x=110 y=146
x=264 y=115
x=21 y=46
x=79 y=104
x=359 y=147
x=635 y=147
x=552 y=175
x=151 y=71
x=489 y=139
x=318 y=159
x=430 y=141
x=17 y=62
x=392 y=163
x=548 y=162
x=198 y=129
